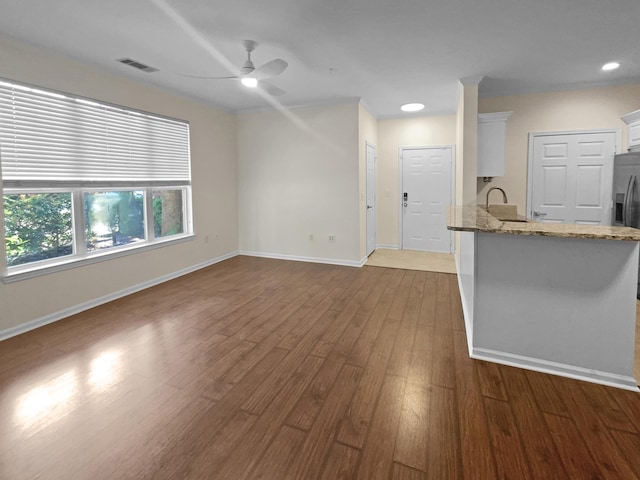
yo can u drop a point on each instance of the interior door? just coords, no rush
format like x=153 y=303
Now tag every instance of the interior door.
x=371 y=199
x=571 y=178
x=426 y=193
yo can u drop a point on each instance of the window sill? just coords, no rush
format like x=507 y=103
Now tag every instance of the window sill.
x=27 y=272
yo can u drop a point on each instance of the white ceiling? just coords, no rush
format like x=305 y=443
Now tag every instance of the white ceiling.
x=387 y=52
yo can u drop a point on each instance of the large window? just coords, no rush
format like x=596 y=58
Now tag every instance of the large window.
x=82 y=179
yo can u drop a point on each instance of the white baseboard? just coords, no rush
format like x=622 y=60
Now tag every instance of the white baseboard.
x=563 y=370
x=465 y=313
x=388 y=246
x=54 y=317
x=297 y=258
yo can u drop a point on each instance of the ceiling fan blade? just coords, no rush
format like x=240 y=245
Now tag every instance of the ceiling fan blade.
x=271 y=69
x=272 y=89
x=206 y=78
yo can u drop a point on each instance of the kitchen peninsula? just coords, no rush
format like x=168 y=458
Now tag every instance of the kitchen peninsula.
x=550 y=297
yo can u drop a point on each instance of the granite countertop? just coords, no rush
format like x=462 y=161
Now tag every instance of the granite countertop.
x=472 y=218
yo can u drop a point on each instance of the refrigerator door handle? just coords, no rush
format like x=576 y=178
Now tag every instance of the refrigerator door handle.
x=627 y=202
x=632 y=214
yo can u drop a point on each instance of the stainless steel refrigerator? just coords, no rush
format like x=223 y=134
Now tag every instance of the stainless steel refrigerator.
x=626 y=192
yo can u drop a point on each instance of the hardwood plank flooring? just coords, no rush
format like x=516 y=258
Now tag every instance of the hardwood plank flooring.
x=265 y=369
x=341 y=463
x=543 y=458
x=280 y=454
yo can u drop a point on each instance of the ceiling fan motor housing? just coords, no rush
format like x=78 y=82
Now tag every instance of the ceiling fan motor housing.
x=249 y=45
x=248 y=67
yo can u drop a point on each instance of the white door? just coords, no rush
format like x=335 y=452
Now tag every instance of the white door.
x=571 y=177
x=371 y=199
x=426 y=193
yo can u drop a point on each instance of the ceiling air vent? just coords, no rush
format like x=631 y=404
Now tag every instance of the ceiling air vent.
x=138 y=65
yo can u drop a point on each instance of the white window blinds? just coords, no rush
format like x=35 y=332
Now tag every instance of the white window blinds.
x=49 y=139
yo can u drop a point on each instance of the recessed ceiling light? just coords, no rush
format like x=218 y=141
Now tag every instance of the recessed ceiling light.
x=607 y=67
x=412 y=107
x=250 y=82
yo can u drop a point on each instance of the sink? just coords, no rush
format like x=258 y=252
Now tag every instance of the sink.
x=501 y=211
x=505 y=213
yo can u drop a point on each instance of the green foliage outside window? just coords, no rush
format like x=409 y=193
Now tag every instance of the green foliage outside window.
x=113 y=218
x=38 y=226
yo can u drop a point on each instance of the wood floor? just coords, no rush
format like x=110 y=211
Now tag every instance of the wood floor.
x=266 y=369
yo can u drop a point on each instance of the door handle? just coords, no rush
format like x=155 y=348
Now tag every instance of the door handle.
x=369 y=206
x=536 y=213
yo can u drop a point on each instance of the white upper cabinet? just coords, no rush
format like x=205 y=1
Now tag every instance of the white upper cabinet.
x=633 y=121
x=492 y=139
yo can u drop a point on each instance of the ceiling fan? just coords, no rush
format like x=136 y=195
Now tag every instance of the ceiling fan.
x=251 y=76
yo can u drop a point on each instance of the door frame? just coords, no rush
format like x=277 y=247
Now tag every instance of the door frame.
x=534 y=135
x=401 y=150
x=368 y=145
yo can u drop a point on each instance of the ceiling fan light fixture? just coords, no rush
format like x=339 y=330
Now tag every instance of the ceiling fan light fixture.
x=249 y=82
x=607 y=67
x=412 y=107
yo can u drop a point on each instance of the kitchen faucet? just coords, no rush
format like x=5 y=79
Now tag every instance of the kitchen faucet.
x=504 y=196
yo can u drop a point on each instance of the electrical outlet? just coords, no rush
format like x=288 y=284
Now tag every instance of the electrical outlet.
x=332 y=239
x=206 y=239
x=311 y=236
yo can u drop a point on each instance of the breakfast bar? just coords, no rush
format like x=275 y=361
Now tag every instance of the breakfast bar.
x=550 y=297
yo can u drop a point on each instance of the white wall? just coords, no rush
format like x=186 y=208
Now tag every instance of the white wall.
x=367 y=133
x=393 y=134
x=298 y=175
x=556 y=111
x=213 y=152
x=466 y=150
x=467 y=156
x=538 y=304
